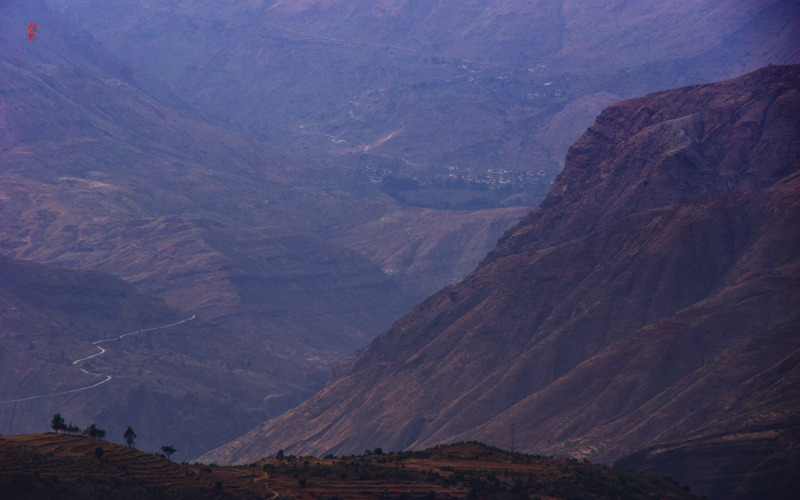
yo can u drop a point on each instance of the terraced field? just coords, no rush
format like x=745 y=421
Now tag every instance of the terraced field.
x=51 y=466
x=65 y=466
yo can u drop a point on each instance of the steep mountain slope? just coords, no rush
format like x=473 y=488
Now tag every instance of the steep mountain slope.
x=423 y=87
x=412 y=245
x=611 y=317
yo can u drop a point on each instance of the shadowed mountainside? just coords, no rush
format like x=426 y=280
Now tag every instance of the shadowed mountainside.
x=650 y=297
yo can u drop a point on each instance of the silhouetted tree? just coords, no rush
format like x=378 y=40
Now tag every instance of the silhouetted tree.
x=279 y=456
x=168 y=450
x=73 y=429
x=130 y=437
x=91 y=431
x=57 y=423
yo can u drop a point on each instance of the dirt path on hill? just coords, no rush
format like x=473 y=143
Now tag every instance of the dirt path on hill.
x=102 y=351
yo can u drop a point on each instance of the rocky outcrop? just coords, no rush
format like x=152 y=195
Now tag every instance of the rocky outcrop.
x=658 y=278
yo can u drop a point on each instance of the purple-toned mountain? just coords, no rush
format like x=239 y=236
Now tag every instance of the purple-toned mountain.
x=99 y=175
x=431 y=87
x=651 y=297
x=98 y=171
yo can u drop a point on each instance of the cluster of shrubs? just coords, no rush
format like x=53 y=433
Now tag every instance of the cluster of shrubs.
x=58 y=424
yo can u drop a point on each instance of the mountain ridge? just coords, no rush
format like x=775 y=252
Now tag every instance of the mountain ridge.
x=56 y=466
x=585 y=326
x=615 y=126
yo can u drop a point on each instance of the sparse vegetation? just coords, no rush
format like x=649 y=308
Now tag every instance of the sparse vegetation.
x=57 y=423
x=463 y=470
x=168 y=450
x=93 y=432
x=130 y=437
x=79 y=469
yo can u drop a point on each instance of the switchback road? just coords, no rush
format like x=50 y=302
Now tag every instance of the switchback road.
x=102 y=351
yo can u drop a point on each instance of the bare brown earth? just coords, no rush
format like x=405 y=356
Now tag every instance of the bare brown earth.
x=58 y=466
x=412 y=246
x=652 y=296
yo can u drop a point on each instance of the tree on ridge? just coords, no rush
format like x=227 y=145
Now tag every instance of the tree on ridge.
x=168 y=450
x=93 y=432
x=57 y=423
x=130 y=437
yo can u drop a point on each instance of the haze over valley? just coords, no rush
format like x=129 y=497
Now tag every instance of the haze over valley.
x=323 y=226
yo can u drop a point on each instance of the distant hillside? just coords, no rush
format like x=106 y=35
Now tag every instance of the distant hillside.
x=103 y=169
x=52 y=466
x=173 y=379
x=652 y=296
x=99 y=173
x=495 y=90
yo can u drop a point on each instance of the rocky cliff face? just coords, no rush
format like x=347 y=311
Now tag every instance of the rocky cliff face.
x=646 y=299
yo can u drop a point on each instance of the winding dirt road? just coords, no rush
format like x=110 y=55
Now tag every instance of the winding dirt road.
x=102 y=351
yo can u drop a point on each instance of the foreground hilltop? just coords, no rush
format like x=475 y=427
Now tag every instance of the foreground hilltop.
x=653 y=295
x=58 y=466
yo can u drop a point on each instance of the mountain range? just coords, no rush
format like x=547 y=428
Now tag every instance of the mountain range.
x=105 y=169
x=277 y=171
x=650 y=303
x=429 y=88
